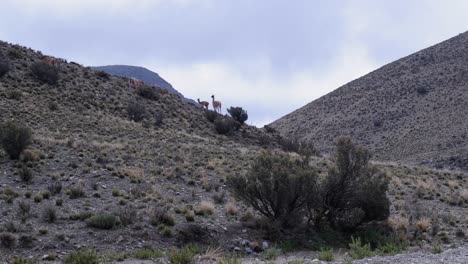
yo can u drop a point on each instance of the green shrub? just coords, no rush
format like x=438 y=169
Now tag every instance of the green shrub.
x=357 y=250
x=224 y=125
x=277 y=186
x=38 y=198
x=354 y=191
x=76 y=191
x=127 y=215
x=4 y=67
x=272 y=253
x=14 y=95
x=231 y=260
x=102 y=221
x=238 y=114
x=55 y=188
x=147 y=92
x=15 y=138
x=85 y=256
x=182 y=256
x=45 y=72
x=326 y=255
x=147 y=253
x=136 y=111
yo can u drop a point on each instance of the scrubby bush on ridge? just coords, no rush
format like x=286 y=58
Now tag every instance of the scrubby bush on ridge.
x=45 y=72
x=136 y=111
x=4 y=67
x=238 y=114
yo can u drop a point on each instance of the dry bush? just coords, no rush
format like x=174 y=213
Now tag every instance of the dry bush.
x=205 y=208
x=136 y=111
x=423 y=224
x=399 y=225
x=231 y=208
x=136 y=175
x=4 y=67
x=30 y=155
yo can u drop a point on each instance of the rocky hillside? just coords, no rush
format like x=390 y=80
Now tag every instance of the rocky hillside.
x=134 y=189
x=412 y=110
x=147 y=76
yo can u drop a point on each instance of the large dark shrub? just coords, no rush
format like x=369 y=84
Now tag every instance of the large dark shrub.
x=102 y=221
x=136 y=111
x=103 y=75
x=4 y=67
x=211 y=115
x=238 y=114
x=354 y=191
x=277 y=186
x=147 y=92
x=45 y=72
x=224 y=125
x=14 y=138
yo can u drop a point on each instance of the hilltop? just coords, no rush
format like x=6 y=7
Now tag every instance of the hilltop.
x=411 y=111
x=141 y=73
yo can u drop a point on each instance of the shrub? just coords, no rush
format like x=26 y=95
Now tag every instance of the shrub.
x=160 y=215
x=277 y=186
x=45 y=72
x=181 y=256
x=147 y=92
x=7 y=240
x=4 y=67
x=238 y=114
x=50 y=214
x=25 y=174
x=326 y=255
x=147 y=253
x=102 y=221
x=272 y=253
x=38 y=198
x=190 y=216
x=354 y=192
x=421 y=90
x=136 y=111
x=55 y=188
x=224 y=125
x=211 y=115
x=158 y=118
x=85 y=256
x=24 y=210
x=205 y=208
x=15 y=138
x=14 y=95
x=127 y=215
x=103 y=75
x=357 y=250
x=77 y=190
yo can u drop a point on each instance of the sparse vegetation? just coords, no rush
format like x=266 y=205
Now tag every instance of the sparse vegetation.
x=224 y=125
x=7 y=240
x=147 y=253
x=15 y=138
x=182 y=256
x=326 y=255
x=50 y=214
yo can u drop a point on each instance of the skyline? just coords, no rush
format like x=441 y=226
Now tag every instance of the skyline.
x=269 y=57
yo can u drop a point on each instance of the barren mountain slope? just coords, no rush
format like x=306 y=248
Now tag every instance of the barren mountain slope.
x=413 y=110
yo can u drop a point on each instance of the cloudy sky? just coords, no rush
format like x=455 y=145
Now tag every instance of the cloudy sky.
x=268 y=56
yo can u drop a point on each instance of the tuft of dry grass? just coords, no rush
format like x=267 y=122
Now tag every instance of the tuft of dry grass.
x=423 y=224
x=231 y=208
x=205 y=208
x=400 y=225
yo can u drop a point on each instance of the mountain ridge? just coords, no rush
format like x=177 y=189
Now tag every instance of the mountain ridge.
x=407 y=111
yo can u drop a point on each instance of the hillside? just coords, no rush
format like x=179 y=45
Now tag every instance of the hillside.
x=147 y=76
x=412 y=110
x=94 y=179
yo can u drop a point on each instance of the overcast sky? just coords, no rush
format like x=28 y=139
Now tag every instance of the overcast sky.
x=268 y=56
